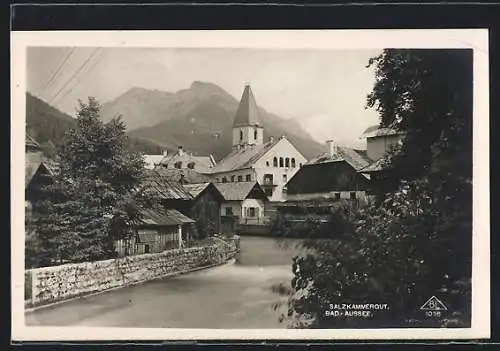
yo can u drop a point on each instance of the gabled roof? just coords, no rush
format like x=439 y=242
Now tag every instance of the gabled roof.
x=165 y=188
x=36 y=163
x=201 y=163
x=247 y=113
x=31 y=143
x=356 y=158
x=239 y=191
x=187 y=175
x=163 y=217
x=376 y=130
x=197 y=189
x=243 y=157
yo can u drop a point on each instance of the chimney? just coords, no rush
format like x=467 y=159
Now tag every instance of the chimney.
x=271 y=139
x=332 y=148
x=165 y=152
x=180 y=150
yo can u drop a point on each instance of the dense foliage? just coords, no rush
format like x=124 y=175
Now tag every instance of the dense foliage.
x=92 y=199
x=416 y=240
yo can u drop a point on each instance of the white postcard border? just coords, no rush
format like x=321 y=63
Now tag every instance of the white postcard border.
x=476 y=39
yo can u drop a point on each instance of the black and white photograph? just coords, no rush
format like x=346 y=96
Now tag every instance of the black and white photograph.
x=251 y=184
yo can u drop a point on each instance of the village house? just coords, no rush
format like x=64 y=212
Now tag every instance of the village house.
x=186 y=160
x=205 y=207
x=330 y=177
x=244 y=201
x=159 y=230
x=379 y=141
x=271 y=163
x=39 y=172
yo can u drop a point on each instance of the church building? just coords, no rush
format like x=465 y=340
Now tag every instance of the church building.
x=271 y=163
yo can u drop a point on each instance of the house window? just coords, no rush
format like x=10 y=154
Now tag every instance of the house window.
x=352 y=195
x=300 y=165
x=224 y=179
x=267 y=163
x=232 y=178
x=255 y=134
x=248 y=178
x=268 y=179
x=281 y=161
x=284 y=178
x=229 y=211
x=241 y=135
x=287 y=162
x=240 y=178
x=146 y=248
x=190 y=165
x=178 y=164
x=293 y=162
x=337 y=196
x=275 y=162
x=216 y=180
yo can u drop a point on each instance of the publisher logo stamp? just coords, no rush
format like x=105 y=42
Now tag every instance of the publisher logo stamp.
x=433 y=307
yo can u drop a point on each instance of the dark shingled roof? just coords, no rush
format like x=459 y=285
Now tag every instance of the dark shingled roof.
x=165 y=188
x=356 y=158
x=247 y=113
x=196 y=189
x=238 y=191
x=163 y=217
x=244 y=157
x=189 y=176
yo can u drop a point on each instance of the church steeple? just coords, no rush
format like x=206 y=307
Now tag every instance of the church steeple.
x=247 y=125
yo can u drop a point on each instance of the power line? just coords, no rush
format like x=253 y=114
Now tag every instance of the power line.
x=56 y=72
x=75 y=74
x=96 y=62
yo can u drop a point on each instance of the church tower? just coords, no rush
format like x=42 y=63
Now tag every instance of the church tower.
x=247 y=125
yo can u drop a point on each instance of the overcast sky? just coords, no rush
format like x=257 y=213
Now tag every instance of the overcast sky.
x=325 y=90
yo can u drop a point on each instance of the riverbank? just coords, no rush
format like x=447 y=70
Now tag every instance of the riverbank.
x=239 y=295
x=49 y=285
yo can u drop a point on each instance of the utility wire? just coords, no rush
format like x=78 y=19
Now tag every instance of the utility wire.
x=75 y=74
x=56 y=72
x=96 y=62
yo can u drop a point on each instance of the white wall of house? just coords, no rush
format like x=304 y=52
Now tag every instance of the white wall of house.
x=281 y=175
x=377 y=146
x=241 y=208
x=218 y=178
x=234 y=205
x=257 y=205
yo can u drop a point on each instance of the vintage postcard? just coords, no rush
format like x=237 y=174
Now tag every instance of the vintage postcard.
x=238 y=185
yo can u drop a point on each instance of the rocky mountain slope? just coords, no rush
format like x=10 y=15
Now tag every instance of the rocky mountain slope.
x=199 y=118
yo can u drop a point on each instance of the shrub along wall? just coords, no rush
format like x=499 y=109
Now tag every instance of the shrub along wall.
x=51 y=284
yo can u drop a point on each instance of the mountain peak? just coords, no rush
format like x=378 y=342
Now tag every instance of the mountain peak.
x=206 y=87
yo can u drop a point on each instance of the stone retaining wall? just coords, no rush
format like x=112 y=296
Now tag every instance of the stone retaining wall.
x=52 y=284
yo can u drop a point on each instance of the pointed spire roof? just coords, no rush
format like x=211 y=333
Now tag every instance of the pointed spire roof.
x=248 y=112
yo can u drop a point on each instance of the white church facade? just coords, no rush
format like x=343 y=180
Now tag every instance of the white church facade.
x=271 y=163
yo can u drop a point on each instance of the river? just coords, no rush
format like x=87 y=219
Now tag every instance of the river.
x=234 y=295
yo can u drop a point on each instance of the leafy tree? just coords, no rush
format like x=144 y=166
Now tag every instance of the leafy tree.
x=93 y=200
x=415 y=242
